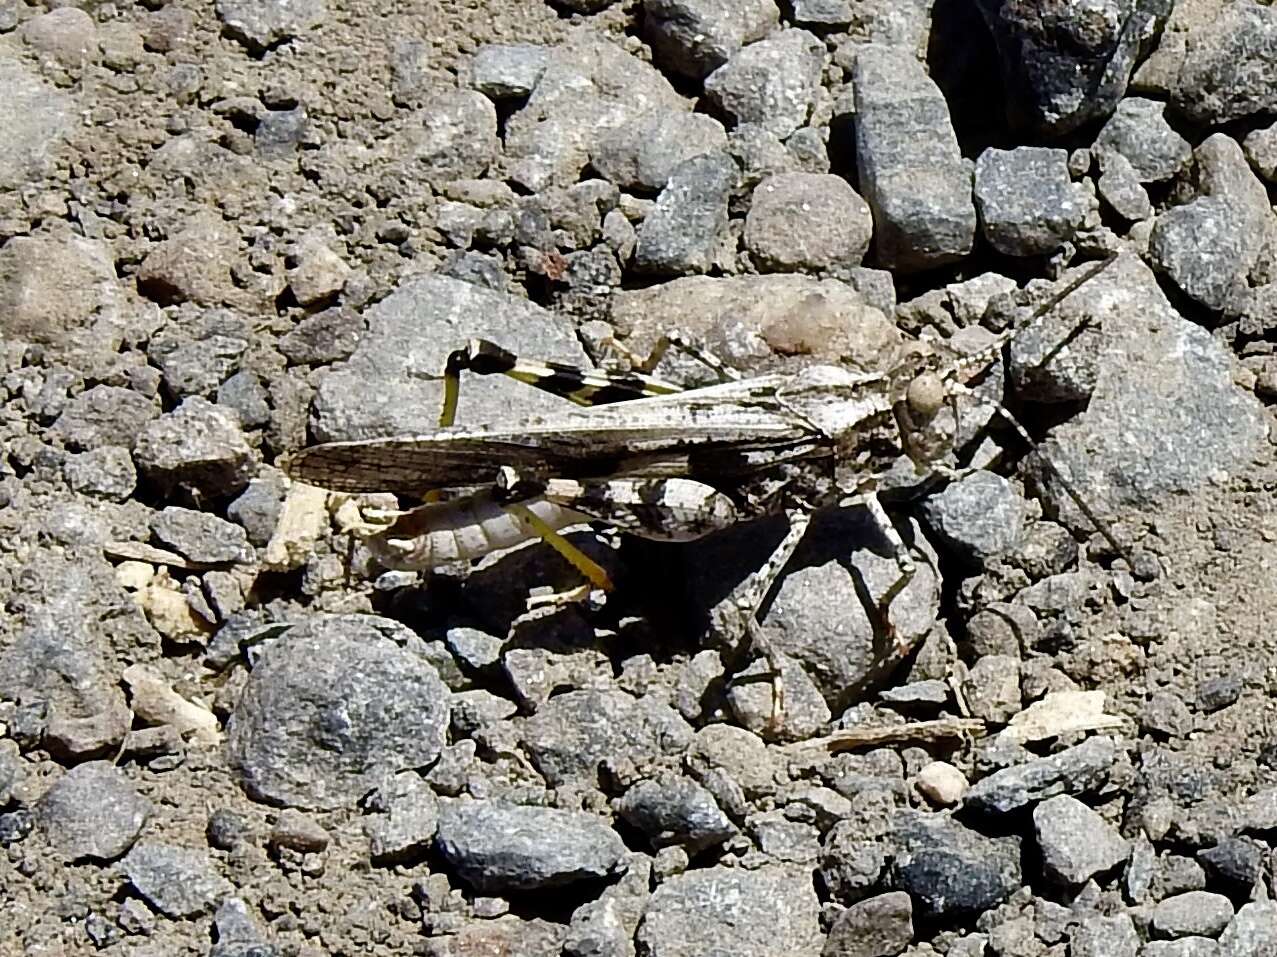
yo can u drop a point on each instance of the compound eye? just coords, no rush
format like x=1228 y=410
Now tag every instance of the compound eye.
x=925 y=395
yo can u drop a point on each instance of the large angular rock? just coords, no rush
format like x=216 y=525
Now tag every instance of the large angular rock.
x=1226 y=72
x=911 y=170
x=695 y=37
x=772 y=83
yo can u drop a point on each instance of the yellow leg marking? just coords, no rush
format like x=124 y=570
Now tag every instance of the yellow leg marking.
x=451 y=392
x=574 y=556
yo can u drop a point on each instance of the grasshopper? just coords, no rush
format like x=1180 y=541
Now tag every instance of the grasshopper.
x=667 y=464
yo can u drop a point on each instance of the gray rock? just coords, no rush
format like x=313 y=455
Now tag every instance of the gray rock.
x=201 y=537
x=457 y=136
x=1080 y=769
x=70 y=613
x=391 y=385
x=570 y=737
x=475 y=648
x=807 y=221
x=105 y=472
x=772 y=83
x=981 y=515
x=198 y=444
x=176 y=881
x=1076 y=843
x=63 y=293
x=257 y=507
x=407 y=824
x=798 y=713
x=822 y=13
x=298 y=832
x=261 y=25
x=244 y=393
x=733 y=765
x=1195 y=913
x=498 y=847
x=769 y=912
x=104 y=416
x=676 y=811
x=992 y=686
x=1184 y=947
x=872 y=927
x=1138 y=130
x=195 y=366
x=643 y=153
x=1105 y=936
x=35 y=116
x=327 y=336
x=589 y=86
x=1207 y=246
x=911 y=169
x=1119 y=187
x=893 y=23
x=1236 y=862
x=331 y=708
x=1252 y=933
x=93 y=811
x=507 y=71
x=1258 y=813
x=759 y=153
x=1166 y=713
x=605 y=927
x=1063 y=73
x=1028 y=205
x=818 y=616
x=687 y=231
x=237 y=932
x=1200 y=422
x=807 y=147
x=695 y=37
x=1226 y=72
x=1260 y=147
x=194 y=264
x=947 y=868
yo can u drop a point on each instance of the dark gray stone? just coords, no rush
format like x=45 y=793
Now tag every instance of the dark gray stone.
x=333 y=707
x=507 y=71
x=676 y=811
x=687 y=231
x=195 y=366
x=176 y=881
x=605 y=927
x=327 y=336
x=769 y=912
x=257 y=507
x=807 y=221
x=822 y=13
x=391 y=384
x=93 y=811
x=245 y=393
x=570 y=737
x=947 y=868
x=237 y=932
x=456 y=138
x=106 y=472
x=201 y=537
x=773 y=82
x=198 y=444
x=1227 y=71
x=1076 y=843
x=103 y=416
x=1119 y=187
x=1063 y=70
x=904 y=139
x=992 y=686
x=872 y=927
x=981 y=515
x=1195 y=913
x=1080 y=769
x=1123 y=449
x=695 y=37
x=260 y=24
x=1208 y=246
x=498 y=847
x=1260 y=147
x=408 y=822
x=1028 y=205
x=1138 y=131
x=1237 y=862
x=642 y=154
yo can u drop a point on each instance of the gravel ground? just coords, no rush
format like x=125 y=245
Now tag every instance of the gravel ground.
x=229 y=231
